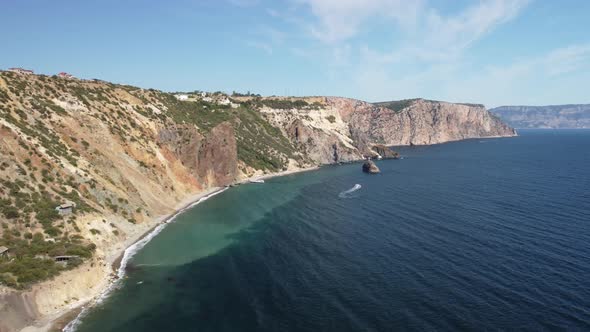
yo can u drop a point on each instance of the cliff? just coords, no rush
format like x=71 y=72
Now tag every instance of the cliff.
x=347 y=129
x=125 y=156
x=549 y=117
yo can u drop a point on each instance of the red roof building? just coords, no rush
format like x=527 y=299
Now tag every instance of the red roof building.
x=65 y=75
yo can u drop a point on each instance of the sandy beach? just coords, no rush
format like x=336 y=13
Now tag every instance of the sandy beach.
x=108 y=269
x=112 y=265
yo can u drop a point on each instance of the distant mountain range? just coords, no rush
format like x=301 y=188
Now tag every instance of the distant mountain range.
x=552 y=117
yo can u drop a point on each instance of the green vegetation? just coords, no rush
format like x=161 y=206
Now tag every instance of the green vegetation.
x=287 y=104
x=260 y=145
x=259 y=142
x=247 y=94
x=397 y=105
x=4 y=97
x=472 y=105
x=43 y=139
x=204 y=114
x=331 y=118
x=30 y=259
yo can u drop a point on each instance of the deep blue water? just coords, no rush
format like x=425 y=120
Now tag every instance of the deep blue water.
x=474 y=235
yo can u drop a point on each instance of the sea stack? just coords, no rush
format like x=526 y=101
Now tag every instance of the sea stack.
x=370 y=167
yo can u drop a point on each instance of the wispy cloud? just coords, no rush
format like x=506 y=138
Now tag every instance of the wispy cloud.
x=339 y=20
x=471 y=24
x=439 y=38
x=420 y=51
x=512 y=83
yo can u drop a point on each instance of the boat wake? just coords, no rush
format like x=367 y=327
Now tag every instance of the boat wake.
x=350 y=192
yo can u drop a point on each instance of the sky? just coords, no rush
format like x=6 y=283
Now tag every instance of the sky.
x=494 y=52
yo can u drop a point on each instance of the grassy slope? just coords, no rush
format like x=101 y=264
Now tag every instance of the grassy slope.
x=50 y=154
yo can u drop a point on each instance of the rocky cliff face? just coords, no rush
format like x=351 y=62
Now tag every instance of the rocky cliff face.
x=125 y=155
x=424 y=122
x=553 y=117
x=347 y=129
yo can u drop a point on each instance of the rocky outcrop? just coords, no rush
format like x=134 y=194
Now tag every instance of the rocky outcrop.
x=217 y=161
x=212 y=158
x=370 y=167
x=184 y=141
x=384 y=152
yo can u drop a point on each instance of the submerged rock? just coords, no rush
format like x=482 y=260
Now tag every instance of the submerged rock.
x=370 y=167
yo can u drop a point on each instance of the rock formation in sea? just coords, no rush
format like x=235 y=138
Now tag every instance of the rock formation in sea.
x=125 y=155
x=370 y=167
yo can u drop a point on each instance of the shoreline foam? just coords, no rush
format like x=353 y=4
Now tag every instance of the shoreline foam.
x=120 y=263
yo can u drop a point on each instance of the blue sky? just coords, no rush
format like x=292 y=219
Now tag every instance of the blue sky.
x=495 y=52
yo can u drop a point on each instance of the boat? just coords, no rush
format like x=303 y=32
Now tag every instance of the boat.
x=257 y=181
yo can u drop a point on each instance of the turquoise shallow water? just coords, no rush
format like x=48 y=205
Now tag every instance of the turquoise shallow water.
x=473 y=235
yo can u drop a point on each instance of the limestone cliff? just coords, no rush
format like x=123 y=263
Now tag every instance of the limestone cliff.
x=346 y=129
x=125 y=155
x=424 y=122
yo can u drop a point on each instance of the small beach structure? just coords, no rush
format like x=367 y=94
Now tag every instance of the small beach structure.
x=66 y=208
x=4 y=251
x=64 y=260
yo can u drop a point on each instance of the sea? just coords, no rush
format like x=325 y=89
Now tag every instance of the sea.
x=476 y=235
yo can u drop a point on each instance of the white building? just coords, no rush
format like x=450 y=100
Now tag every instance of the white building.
x=21 y=71
x=181 y=97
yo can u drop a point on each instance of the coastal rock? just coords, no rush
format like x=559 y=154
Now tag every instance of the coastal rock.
x=370 y=167
x=385 y=152
x=217 y=160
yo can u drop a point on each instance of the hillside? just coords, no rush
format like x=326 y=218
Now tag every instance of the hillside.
x=554 y=117
x=121 y=156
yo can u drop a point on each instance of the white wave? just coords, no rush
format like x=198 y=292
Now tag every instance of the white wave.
x=127 y=255
x=346 y=193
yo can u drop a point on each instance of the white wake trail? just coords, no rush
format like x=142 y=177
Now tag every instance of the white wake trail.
x=347 y=193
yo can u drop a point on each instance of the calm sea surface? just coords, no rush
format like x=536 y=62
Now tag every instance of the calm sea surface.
x=474 y=235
